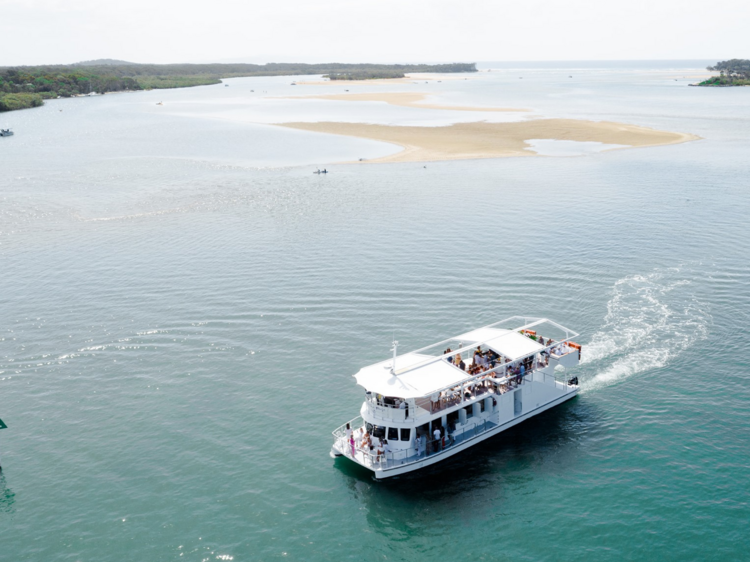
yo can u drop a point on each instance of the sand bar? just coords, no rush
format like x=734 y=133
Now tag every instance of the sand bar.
x=405 y=99
x=408 y=79
x=492 y=140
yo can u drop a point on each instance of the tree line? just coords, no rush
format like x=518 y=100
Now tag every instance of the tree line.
x=734 y=72
x=135 y=70
x=365 y=75
x=27 y=86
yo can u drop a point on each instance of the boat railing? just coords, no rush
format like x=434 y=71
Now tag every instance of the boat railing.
x=455 y=397
x=422 y=450
x=479 y=390
x=379 y=408
x=381 y=403
x=354 y=424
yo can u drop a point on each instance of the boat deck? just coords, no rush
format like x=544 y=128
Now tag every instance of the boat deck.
x=400 y=458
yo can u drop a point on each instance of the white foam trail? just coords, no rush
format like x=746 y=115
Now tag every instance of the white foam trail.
x=650 y=320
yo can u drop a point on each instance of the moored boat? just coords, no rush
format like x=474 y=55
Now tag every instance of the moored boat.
x=427 y=405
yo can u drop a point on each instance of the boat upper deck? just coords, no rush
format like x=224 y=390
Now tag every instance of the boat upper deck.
x=424 y=372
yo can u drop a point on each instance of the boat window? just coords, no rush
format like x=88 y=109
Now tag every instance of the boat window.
x=392 y=434
x=378 y=431
x=405 y=433
x=368 y=427
x=481 y=405
x=469 y=412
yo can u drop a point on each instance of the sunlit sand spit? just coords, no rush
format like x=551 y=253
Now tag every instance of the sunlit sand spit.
x=406 y=99
x=462 y=141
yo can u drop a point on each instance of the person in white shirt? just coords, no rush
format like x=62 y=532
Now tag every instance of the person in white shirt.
x=438 y=441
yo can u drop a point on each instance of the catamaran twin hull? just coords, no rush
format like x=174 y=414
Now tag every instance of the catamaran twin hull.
x=428 y=405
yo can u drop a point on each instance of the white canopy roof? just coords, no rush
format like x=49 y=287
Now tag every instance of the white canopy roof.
x=509 y=343
x=482 y=334
x=418 y=374
x=414 y=379
x=513 y=345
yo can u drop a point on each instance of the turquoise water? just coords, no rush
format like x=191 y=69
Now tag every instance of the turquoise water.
x=184 y=304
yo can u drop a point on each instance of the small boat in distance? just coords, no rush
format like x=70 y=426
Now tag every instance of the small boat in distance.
x=427 y=405
x=6 y=132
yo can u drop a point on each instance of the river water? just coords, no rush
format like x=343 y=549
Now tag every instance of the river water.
x=183 y=304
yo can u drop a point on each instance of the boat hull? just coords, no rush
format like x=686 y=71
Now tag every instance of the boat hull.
x=389 y=472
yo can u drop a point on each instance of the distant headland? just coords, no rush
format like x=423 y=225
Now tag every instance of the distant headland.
x=734 y=72
x=23 y=87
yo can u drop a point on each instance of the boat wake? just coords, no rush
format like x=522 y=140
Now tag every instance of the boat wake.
x=651 y=319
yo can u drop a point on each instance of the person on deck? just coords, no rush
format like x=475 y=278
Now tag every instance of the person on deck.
x=493 y=359
x=350 y=438
x=358 y=437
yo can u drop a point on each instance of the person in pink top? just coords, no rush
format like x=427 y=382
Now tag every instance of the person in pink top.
x=350 y=438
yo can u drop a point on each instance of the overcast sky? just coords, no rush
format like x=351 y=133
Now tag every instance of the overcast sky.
x=163 y=31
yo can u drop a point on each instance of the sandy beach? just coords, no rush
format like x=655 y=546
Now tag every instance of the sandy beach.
x=405 y=99
x=492 y=140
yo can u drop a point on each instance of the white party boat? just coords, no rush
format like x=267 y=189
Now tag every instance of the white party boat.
x=427 y=405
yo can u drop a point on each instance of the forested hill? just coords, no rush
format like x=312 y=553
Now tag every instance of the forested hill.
x=27 y=86
x=103 y=62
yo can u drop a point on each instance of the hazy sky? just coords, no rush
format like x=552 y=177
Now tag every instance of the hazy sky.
x=161 y=31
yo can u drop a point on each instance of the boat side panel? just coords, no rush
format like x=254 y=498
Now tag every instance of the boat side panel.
x=395 y=471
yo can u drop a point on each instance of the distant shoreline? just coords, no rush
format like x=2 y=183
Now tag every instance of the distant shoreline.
x=24 y=87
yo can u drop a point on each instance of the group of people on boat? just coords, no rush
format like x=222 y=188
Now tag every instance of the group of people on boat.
x=562 y=348
x=377 y=448
x=481 y=361
x=362 y=440
x=426 y=443
x=484 y=361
